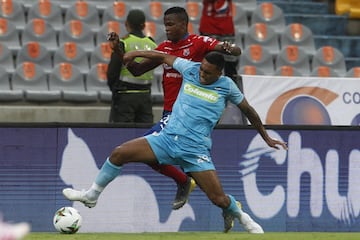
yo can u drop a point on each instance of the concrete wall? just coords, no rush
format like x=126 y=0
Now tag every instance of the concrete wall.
x=60 y=113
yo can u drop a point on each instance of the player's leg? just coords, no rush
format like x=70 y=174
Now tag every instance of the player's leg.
x=209 y=182
x=137 y=150
x=185 y=184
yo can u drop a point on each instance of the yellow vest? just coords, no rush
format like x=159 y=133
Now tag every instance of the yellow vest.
x=131 y=43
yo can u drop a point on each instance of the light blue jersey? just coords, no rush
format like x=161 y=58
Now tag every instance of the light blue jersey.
x=186 y=139
x=199 y=107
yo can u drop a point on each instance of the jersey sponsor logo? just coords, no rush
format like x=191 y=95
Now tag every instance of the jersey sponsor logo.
x=186 y=52
x=201 y=93
x=173 y=75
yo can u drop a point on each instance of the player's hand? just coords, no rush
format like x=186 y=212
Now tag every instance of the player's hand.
x=114 y=40
x=274 y=143
x=228 y=47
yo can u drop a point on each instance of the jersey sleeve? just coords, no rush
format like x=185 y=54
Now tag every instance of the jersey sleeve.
x=182 y=65
x=208 y=43
x=236 y=96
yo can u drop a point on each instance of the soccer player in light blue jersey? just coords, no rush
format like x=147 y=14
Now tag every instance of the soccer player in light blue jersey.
x=186 y=140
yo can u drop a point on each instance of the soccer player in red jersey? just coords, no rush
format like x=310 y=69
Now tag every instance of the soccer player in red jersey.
x=181 y=44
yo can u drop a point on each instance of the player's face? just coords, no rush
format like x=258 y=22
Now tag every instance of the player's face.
x=174 y=27
x=209 y=73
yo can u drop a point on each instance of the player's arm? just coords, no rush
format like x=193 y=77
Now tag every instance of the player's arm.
x=228 y=48
x=255 y=120
x=151 y=55
x=139 y=68
x=116 y=59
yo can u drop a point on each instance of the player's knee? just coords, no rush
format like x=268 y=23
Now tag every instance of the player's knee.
x=116 y=156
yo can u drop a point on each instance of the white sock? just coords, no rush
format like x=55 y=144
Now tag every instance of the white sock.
x=94 y=192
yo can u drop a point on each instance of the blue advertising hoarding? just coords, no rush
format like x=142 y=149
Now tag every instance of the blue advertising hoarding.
x=314 y=186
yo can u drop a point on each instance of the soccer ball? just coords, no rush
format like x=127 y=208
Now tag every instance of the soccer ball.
x=67 y=220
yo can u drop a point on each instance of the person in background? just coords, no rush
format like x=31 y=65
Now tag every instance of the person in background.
x=186 y=140
x=131 y=96
x=13 y=231
x=217 y=21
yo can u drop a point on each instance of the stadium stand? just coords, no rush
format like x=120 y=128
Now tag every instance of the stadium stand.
x=287 y=71
x=30 y=78
x=79 y=32
x=324 y=24
x=9 y=35
x=299 y=35
x=353 y=72
x=154 y=10
x=101 y=54
x=156 y=31
x=324 y=71
x=48 y=10
x=107 y=27
x=257 y=55
x=294 y=56
x=193 y=28
x=35 y=52
x=248 y=5
x=39 y=30
x=264 y=35
x=67 y=78
x=96 y=81
x=6 y=58
x=241 y=20
x=271 y=14
x=330 y=57
x=73 y=53
x=117 y=11
x=14 y=11
x=194 y=10
x=327 y=28
x=6 y=92
x=85 y=12
x=250 y=70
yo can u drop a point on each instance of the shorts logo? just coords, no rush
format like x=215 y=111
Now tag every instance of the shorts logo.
x=203 y=158
x=304 y=105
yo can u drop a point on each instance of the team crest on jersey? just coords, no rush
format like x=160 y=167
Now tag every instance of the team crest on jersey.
x=186 y=52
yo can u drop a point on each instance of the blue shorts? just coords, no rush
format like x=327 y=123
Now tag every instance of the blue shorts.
x=172 y=150
x=161 y=124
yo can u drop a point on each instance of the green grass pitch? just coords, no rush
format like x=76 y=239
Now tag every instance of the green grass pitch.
x=196 y=236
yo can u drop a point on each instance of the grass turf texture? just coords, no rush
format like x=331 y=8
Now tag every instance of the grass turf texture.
x=195 y=235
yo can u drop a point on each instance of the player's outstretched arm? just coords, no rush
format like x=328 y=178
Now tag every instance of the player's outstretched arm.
x=255 y=120
x=154 y=55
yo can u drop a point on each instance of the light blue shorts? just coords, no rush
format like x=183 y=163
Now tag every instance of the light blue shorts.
x=172 y=150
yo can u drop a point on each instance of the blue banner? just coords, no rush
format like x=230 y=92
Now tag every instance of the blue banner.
x=314 y=186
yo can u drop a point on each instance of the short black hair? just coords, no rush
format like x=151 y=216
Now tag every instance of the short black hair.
x=180 y=12
x=216 y=59
x=136 y=19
